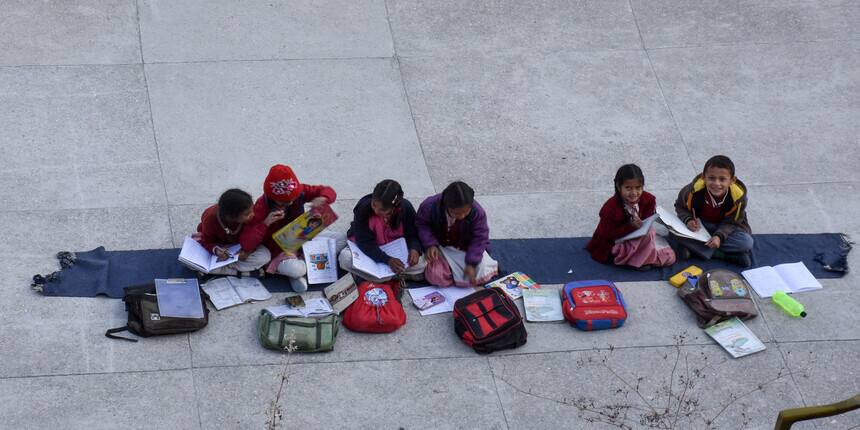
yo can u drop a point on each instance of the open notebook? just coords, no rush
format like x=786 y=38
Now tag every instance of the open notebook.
x=789 y=277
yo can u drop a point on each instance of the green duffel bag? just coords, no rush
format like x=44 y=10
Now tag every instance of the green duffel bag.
x=308 y=334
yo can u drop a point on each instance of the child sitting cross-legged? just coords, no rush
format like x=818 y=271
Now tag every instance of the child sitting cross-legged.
x=622 y=214
x=717 y=200
x=220 y=227
x=381 y=218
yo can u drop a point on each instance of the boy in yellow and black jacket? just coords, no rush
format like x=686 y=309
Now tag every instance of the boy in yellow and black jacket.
x=717 y=200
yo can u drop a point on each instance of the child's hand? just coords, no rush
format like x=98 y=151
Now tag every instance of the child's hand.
x=274 y=217
x=714 y=243
x=432 y=253
x=395 y=265
x=413 y=257
x=221 y=253
x=693 y=224
x=319 y=201
x=243 y=255
x=469 y=274
x=636 y=222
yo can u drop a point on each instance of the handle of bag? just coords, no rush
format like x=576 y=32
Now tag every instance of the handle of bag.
x=110 y=333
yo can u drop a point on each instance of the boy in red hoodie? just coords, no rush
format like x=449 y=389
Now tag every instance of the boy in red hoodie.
x=283 y=200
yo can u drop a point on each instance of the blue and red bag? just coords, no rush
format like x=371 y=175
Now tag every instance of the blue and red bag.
x=376 y=310
x=488 y=320
x=593 y=305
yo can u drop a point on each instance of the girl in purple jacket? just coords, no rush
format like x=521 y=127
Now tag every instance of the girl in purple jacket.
x=453 y=229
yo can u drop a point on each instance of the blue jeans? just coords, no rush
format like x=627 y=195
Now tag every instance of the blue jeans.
x=737 y=242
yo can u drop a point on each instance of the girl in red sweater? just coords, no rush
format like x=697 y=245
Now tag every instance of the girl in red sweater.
x=623 y=213
x=220 y=227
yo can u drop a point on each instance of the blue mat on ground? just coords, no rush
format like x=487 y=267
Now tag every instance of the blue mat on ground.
x=548 y=261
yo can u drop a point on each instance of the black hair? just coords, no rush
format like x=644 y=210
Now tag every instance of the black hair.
x=720 y=162
x=389 y=194
x=626 y=173
x=457 y=194
x=233 y=203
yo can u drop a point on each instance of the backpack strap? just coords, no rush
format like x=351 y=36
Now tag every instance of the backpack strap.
x=110 y=333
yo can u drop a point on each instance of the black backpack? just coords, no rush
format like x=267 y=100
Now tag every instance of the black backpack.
x=141 y=303
x=488 y=320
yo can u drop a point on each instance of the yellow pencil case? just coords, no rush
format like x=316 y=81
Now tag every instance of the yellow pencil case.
x=679 y=278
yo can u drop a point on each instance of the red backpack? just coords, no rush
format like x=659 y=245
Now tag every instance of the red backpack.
x=593 y=305
x=376 y=310
x=488 y=320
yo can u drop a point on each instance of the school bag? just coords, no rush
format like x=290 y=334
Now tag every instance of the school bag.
x=376 y=310
x=298 y=333
x=717 y=295
x=593 y=305
x=488 y=320
x=144 y=319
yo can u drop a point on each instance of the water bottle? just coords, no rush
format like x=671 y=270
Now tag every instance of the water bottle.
x=788 y=304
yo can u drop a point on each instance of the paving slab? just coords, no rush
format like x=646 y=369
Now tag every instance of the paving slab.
x=828 y=310
x=43 y=233
x=263 y=30
x=451 y=28
x=141 y=400
x=448 y=393
x=65 y=335
x=826 y=372
x=795 y=103
x=80 y=32
x=673 y=23
x=551 y=123
x=543 y=391
x=80 y=136
x=208 y=114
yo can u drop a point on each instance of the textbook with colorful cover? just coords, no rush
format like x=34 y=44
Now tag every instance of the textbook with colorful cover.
x=514 y=284
x=302 y=229
x=735 y=337
x=195 y=256
x=321 y=260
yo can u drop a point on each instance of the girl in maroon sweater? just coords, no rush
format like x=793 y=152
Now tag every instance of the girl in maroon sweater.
x=220 y=227
x=622 y=214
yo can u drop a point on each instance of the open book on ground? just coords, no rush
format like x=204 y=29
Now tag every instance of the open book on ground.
x=228 y=291
x=304 y=228
x=735 y=337
x=641 y=231
x=316 y=307
x=321 y=260
x=514 y=284
x=362 y=263
x=195 y=256
x=789 y=277
x=543 y=305
x=678 y=228
x=451 y=294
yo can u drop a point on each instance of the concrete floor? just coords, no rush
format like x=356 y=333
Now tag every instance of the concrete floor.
x=121 y=120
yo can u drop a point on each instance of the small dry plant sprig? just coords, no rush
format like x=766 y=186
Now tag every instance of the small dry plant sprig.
x=673 y=405
x=274 y=415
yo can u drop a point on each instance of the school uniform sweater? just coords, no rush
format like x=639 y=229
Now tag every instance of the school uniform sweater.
x=368 y=240
x=212 y=233
x=472 y=234
x=615 y=223
x=256 y=231
x=732 y=214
